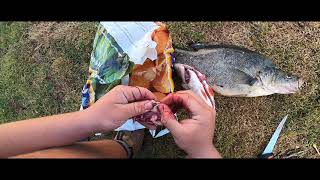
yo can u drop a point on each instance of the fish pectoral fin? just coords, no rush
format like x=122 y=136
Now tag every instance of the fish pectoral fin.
x=251 y=81
x=236 y=76
x=233 y=82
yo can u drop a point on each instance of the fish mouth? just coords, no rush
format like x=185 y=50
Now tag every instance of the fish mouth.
x=300 y=83
x=183 y=72
x=186 y=76
x=288 y=88
x=297 y=87
x=180 y=71
x=294 y=87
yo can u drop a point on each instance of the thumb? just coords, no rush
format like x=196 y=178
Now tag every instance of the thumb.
x=137 y=108
x=168 y=119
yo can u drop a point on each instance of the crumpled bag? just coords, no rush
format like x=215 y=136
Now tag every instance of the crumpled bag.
x=130 y=53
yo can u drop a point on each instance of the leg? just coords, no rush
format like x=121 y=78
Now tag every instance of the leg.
x=91 y=149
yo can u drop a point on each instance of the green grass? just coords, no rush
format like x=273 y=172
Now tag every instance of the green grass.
x=44 y=65
x=42 y=74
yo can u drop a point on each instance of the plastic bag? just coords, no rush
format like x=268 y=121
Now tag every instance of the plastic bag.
x=156 y=75
x=142 y=50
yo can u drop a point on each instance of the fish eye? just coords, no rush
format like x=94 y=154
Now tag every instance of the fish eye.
x=289 y=77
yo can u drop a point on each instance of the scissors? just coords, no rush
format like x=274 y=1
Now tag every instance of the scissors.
x=268 y=151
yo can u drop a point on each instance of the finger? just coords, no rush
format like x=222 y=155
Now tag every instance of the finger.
x=136 y=108
x=204 y=95
x=133 y=94
x=168 y=100
x=168 y=119
x=193 y=94
x=172 y=106
x=179 y=104
x=185 y=100
x=188 y=101
x=173 y=102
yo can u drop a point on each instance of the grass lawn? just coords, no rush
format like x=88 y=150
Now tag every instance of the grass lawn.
x=43 y=66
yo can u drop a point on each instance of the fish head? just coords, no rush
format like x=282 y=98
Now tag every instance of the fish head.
x=278 y=81
x=183 y=72
x=195 y=81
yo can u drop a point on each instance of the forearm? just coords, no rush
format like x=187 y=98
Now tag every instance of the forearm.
x=88 y=149
x=211 y=152
x=40 y=133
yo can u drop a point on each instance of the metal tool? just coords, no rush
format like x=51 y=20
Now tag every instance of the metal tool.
x=268 y=151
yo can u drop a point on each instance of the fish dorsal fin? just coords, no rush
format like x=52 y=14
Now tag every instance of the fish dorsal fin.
x=205 y=48
x=198 y=46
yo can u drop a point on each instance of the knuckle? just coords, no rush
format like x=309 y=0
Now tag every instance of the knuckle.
x=138 y=108
x=135 y=108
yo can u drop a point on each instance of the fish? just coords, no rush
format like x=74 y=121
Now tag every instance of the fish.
x=195 y=81
x=236 y=71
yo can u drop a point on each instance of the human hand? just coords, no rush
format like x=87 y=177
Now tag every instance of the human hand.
x=194 y=135
x=118 y=105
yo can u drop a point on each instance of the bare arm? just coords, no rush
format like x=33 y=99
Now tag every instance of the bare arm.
x=39 y=133
x=107 y=114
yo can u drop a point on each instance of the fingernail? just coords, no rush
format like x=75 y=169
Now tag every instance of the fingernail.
x=148 y=106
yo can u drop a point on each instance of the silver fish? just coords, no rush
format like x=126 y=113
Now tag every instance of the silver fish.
x=196 y=82
x=236 y=71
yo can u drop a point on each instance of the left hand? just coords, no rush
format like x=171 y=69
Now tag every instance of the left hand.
x=194 y=134
x=119 y=105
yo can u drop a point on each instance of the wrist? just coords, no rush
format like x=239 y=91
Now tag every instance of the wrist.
x=90 y=121
x=206 y=152
x=98 y=122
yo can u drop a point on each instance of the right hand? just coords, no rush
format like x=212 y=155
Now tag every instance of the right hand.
x=193 y=135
